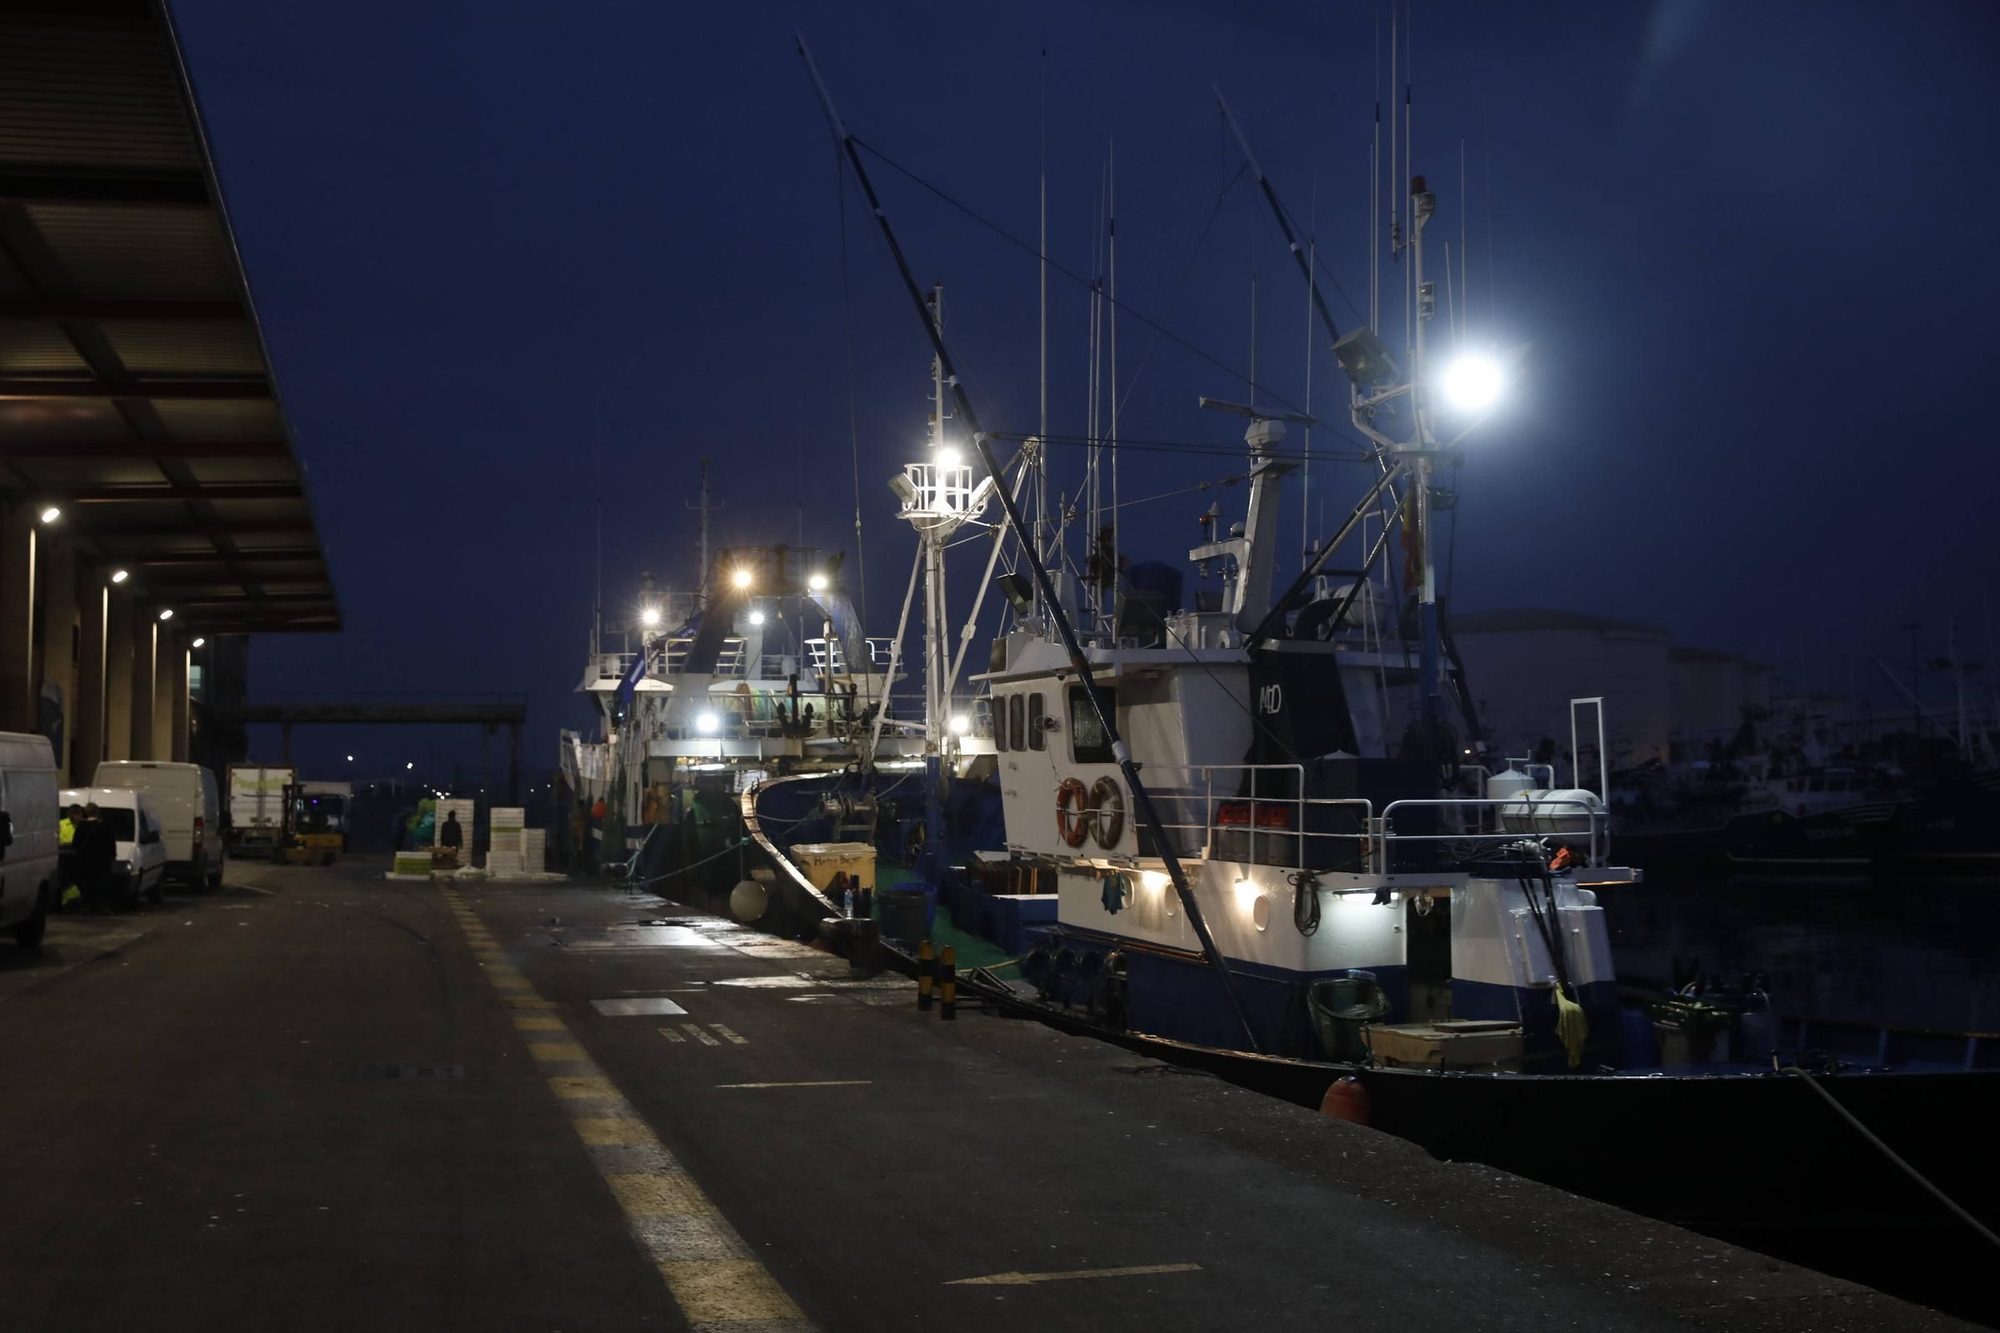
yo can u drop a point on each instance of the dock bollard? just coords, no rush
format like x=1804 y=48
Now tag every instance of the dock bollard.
x=926 y=973
x=948 y=984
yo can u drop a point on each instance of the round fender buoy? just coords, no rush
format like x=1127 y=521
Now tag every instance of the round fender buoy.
x=1346 y=1100
x=748 y=900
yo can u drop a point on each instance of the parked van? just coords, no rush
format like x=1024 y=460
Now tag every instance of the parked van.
x=28 y=816
x=140 y=870
x=190 y=813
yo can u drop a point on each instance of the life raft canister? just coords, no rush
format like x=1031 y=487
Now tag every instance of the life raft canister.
x=1073 y=812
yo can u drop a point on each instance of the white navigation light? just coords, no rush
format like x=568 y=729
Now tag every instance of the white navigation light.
x=167 y=613
x=707 y=722
x=350 y=759
x=411 y=764
x=741 y=578
x=949 y=457
x=960 y=724
x=1474 y=382
x=51 y=514
x=120 y=575
x=817 y=583
x=650 y=617
x=756 y=617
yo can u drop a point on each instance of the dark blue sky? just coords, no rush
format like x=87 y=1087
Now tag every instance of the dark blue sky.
x=517 y=259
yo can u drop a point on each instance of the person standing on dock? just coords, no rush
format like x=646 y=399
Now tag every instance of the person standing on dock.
x=452 y=835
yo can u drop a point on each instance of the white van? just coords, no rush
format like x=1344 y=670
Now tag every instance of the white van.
x=190 y=813
x=141 y=868
x=27 y=836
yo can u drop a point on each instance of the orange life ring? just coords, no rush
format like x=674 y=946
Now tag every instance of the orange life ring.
x=1073 y=812
x=1109 y=804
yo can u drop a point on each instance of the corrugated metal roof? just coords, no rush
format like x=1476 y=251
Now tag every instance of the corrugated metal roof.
x=135 y=390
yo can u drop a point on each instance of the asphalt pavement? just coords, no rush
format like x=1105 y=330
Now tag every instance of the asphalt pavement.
x=322 y=1100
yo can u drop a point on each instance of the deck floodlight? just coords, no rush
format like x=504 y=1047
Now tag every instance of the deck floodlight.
x=120 y=575
x=905 y=491
x=756 y=617
x=948 y=456
x=1364 y=358
x=741 y=578
x=707 y=723
x=817 y=583
x=50 y=514
x=1474 y=382
x=1020 y=593
x=960 y=724
x=650 y=617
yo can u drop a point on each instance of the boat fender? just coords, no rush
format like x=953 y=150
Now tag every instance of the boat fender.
x=1346 y=1100
x=1073 y=814
x=1108 y=803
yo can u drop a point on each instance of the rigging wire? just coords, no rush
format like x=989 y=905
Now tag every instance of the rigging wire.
x=1063 y=269
x=1190 y=447
x=853 y=426
x=1180 y=283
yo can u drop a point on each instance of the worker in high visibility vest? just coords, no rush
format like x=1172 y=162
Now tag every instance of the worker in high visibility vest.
x=70 y=895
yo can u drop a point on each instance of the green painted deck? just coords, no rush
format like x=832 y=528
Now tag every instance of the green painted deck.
x=971 y=950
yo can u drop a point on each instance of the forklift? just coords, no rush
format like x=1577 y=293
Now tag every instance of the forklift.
x=312 y=832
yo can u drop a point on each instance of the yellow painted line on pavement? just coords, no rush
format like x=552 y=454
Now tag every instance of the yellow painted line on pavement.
x=819 y=1083
x=1028 y=1279
x=710 y=1271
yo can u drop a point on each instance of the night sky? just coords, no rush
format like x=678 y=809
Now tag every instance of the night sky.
x=517 y=260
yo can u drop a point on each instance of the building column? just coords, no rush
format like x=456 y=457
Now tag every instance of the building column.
x=176 y=669
x=145 y=651
x=17 y=617
x=118 y=640
x=58 y=611
x=88 y=748
x=166 y=648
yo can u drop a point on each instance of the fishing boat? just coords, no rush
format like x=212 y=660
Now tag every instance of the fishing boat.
x=1253 y=871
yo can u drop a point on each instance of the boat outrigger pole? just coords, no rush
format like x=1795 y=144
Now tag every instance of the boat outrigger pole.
x=1142 y=801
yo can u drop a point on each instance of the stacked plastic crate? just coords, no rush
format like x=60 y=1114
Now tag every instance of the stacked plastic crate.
x=503 y=847
x=534 y=850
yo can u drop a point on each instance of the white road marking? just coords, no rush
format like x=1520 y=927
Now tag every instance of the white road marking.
x=694 y=1030
x=730 y=1035
x=1026 y=1279
x=672 y=1035
x=824 y=1083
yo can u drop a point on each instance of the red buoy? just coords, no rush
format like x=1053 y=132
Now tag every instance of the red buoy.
x=1346 y=1100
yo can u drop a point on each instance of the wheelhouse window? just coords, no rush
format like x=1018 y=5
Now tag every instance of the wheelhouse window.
x=1000 y=723
x=1089 y=744
x=1038 y=733
x=1017 y=721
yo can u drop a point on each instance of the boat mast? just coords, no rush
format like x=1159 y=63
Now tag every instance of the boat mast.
x=1142 y=801
x=943 y=458
x=704 y=504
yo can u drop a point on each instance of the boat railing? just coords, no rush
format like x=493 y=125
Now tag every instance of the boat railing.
x=1482 y=823
x=1214 y=810
x=821 y=652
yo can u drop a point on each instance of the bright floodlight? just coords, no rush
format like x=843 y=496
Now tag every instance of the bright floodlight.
x=960 y=724
x=1473 y=383
x=817 y=583
x=948 y=456
x=167 y=614
x=411 y=764
x=707 y=722
x=650 y=616
x=198 y=643
x=51 y=514
x=120 y=575
x=741 y=578
x=756 y=617
x=350 y=759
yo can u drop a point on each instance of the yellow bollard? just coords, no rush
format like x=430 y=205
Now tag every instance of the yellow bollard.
x=948 y=984
x=926 y=972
